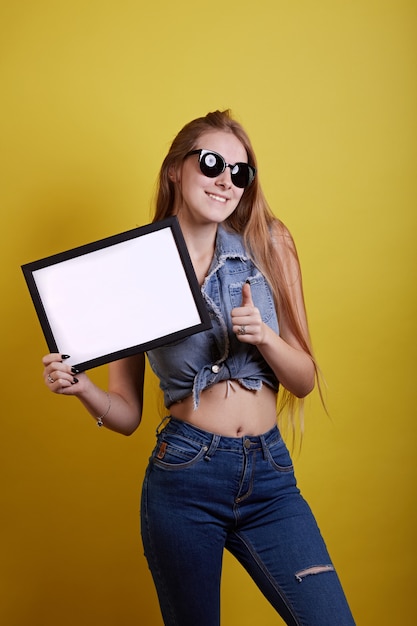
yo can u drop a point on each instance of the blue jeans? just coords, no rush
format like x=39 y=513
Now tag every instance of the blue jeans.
x=203 y=493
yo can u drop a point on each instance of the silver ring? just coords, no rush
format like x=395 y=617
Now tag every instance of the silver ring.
x=242 y=330
x=50 y=379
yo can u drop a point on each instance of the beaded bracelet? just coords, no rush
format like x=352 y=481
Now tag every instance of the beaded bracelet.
x=100 y=422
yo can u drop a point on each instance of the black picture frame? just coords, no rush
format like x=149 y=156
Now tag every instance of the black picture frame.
x=140 y=284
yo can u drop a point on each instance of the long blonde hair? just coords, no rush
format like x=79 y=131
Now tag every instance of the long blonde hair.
x=262 y=232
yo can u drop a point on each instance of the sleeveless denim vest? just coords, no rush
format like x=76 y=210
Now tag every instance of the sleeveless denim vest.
x=191 y=365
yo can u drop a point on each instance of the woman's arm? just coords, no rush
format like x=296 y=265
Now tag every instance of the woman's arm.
x=291 y=364
x=120 y=407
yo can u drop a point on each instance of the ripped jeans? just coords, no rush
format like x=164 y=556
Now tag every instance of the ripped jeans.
x=203 y=493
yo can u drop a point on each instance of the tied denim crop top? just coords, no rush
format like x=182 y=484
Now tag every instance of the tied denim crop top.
x=190 y=365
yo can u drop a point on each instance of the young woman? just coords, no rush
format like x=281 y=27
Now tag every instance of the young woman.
x=220 y=475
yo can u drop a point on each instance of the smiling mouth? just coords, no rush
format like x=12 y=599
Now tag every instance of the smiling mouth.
x=217 y=198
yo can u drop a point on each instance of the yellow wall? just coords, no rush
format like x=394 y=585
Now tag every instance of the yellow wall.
x=91 y=95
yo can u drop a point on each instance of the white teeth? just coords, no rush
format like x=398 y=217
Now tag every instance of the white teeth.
x=218 y=198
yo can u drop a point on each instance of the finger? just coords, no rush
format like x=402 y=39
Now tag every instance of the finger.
x=241 y=330
x=59 y=382
x=246 y=295
x=62 y=376
x=56 y=371
x=54 y=357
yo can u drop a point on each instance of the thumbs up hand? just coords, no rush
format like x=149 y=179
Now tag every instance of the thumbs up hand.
x=246 y=319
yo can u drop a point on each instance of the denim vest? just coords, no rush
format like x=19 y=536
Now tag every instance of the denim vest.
x=190 y=365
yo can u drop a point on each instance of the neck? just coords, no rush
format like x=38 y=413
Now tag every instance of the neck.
x=200 y=238
x=200 y=242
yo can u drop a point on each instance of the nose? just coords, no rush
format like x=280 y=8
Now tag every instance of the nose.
x=224 y=179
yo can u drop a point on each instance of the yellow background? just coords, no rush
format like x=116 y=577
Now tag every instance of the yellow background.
x=91 y=95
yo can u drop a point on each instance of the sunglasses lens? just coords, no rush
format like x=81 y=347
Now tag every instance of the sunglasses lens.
x=211 y=164
x=241 y=175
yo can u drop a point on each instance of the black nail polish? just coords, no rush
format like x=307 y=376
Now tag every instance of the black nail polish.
x=74 y=380
x=74 y=370
x=65 y=356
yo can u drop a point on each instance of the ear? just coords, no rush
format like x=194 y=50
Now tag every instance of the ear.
x=172 y=174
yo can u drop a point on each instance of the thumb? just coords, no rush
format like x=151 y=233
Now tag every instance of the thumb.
x=246 y=295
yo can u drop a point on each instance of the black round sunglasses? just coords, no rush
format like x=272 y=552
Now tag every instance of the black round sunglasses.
x=213 y=164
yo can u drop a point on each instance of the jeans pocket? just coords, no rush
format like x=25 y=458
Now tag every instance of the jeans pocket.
x=261 y=296
x=279 y=457
x=176 y=452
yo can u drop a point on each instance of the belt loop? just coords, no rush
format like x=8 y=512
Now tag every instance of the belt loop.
x=264 y=447
x=212 y=448
x=161 y=425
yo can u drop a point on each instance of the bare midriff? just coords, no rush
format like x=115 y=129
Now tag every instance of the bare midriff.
x=230 y=410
